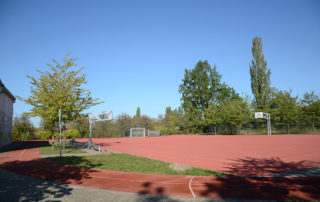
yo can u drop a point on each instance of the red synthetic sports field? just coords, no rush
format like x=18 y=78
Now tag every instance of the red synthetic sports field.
x=245 y=155
x=254 y=155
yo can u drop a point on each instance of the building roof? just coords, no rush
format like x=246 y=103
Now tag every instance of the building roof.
x=3 y=89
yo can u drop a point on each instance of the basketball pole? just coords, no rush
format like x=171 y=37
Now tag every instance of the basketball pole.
x=267 y=116
x=92 y=118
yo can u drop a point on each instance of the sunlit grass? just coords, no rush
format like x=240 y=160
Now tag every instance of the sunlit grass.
x=130 y=163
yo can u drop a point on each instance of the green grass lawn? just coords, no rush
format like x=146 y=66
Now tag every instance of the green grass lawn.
x=47 y=149
x=130 y=163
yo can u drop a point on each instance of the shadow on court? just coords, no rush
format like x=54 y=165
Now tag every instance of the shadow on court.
x=264 y=166
x=275 y=188
x=49 y=172
x=43 y=169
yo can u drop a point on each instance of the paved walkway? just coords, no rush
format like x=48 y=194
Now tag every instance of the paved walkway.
x=15 y=187
x=26 y=161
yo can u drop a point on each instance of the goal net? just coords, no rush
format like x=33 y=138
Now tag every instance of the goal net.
x=137 y=132
x=153 y=132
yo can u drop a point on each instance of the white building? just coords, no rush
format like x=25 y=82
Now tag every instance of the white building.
x=6 y=112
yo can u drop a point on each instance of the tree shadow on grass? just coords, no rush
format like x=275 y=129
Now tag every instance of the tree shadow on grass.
x=278 y=188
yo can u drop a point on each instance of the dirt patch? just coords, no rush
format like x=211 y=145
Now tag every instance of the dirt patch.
x=179 y=167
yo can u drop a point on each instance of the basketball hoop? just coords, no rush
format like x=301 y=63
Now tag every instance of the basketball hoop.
x=262 y=115
x=103 y=116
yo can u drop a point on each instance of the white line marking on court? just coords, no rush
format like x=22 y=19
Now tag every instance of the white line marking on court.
x=21 y=154
x=193 y=194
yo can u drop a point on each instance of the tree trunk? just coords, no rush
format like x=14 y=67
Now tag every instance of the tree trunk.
x=288 y=127
x=299 y=129
x=64 y=140
x=313 y=122
x=52 y=143
x=215 y=130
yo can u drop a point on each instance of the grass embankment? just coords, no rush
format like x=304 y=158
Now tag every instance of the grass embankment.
x=130 y=163
x=47 y=149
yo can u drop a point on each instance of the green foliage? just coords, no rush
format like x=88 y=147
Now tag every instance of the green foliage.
x=311 y=107
x=285 y=108
x=59 y=87
x=44 y=134
x=81 y=125
x=22 y=128
x=72 y=133
x=124 y=122
x=260 y=77
x=200 y=88
x=213 y=117
x=174 y=119
x=234 y=113
x=138 y=113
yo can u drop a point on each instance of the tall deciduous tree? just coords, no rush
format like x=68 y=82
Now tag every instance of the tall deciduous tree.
x=124 y=122
x=260 y=77
x=285 y=108
x=233 y=114
x=201 y=87
x=61 y=87
x=311 y=107
x=213 y=117
x=22 y=128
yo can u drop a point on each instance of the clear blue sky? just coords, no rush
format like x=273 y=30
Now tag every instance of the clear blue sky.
x=135 y=52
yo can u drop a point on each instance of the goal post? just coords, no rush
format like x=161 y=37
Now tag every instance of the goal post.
x=137 y=132
x=153 y=133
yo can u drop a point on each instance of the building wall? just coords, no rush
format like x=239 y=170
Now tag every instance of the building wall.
x=6 y=113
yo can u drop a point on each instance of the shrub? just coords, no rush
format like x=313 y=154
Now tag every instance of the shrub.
x=44 y=134
x=72 y=133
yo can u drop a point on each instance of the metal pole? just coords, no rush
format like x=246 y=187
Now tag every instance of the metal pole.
x=267 y=123
x=270 y=123
x=90 y=135
x=60 y=129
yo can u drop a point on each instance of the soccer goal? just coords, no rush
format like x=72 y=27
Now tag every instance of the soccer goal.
x=153 y=132
x=137 y=132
